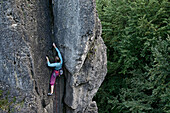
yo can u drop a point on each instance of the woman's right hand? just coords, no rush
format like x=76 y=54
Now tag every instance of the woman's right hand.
x=54 y=45
x=47 y=58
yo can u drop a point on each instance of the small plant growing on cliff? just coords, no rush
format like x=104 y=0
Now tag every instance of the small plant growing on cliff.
x=4 y=104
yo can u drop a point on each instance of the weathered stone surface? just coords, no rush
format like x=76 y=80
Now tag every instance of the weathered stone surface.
x=78 y=34
x=74 y=28
x=92 y=108
x=26 y=35
x=25 y=39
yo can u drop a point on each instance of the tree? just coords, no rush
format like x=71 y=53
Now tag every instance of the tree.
x=136 y=33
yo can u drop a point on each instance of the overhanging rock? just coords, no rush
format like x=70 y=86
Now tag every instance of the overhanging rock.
x=78 y=33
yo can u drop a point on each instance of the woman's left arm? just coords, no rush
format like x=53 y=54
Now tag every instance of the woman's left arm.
x=52 y=64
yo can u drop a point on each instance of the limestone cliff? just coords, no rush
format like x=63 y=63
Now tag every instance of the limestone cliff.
x=27 y=30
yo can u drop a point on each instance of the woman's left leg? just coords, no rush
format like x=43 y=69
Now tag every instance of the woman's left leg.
x=52 y=81
x=52 y=89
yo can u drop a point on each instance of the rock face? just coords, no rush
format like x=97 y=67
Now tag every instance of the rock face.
x=27 y=30
x=78 y=34
x=25 y=39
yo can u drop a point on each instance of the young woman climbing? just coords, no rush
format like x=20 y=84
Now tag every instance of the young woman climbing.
x=58 y=65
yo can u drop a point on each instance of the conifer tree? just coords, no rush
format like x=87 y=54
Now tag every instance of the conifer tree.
x=136 y=33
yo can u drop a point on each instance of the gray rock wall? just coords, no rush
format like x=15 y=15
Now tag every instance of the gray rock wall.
x=74 y=30
x=78 y=35
x=27 y=30
x=25 y=39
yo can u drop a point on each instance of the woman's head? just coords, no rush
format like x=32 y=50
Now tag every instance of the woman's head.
x=57 y=59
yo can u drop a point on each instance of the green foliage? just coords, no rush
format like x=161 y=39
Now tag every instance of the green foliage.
x=136 y=33
x=4 y=103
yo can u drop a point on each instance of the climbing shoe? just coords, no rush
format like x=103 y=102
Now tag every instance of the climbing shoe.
x=50 y=94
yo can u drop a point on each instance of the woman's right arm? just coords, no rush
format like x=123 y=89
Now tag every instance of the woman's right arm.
x=59 y=54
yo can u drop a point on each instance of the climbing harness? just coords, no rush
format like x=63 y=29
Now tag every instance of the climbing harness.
x=61 y=72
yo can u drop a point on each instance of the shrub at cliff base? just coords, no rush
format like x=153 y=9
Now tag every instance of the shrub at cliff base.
x=136 y=33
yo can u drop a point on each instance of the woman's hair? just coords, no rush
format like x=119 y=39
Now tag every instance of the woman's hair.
x=57 y=59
